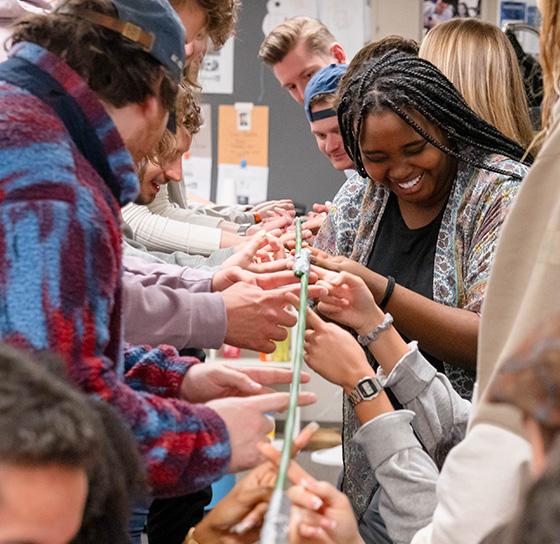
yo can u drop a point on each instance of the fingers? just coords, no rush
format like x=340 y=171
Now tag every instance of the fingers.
x=316 y=252
x=303 y=438
x=278 y=402
x=328 y=263
x=332 y=311
x=255 y=518
x=278 y=265
x=313 y=291
x=295 y=473
x=279 y=322
x=314 y=322
x=236 y=379
x=271 y=376
x=293 y=299
x=265 y=347
x=300 y=496
x=276 y=279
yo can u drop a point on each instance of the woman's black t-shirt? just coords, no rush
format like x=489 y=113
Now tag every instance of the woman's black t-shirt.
x=407 y=254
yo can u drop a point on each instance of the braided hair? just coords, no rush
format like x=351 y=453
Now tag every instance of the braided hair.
x=403 y=83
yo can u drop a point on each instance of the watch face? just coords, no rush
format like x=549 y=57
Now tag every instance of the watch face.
x=367 y=388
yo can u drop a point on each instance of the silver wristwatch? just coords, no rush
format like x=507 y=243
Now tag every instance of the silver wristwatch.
x=366 y=389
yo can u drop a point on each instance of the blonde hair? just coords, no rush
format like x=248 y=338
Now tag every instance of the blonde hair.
x=550 y=59
x=282 y=39
x=480 y=61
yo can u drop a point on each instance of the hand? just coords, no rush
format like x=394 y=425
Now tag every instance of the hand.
x=376 y=283
x=256 y=317
x=223 y=279
x=248 y=425
x=350 y=302
x=332 y=352
x=262 y=248
x=275 y=207
x=314 y=223
x=238 y=517
x=322 y=208
x=321 y=514
x=274 y=250
x=281 y=222
x=336 y=264
x=245 y=253
x=211 y=381
x=289 y=239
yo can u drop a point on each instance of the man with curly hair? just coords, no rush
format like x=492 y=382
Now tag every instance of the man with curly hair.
x=213 y=18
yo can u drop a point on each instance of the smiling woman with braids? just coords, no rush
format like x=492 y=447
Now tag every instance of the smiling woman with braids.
x=441 y=181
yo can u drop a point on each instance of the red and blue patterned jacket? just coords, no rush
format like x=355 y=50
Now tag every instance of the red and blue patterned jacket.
x=60 y=279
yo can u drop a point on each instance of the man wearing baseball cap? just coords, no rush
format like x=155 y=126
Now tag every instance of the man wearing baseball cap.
x=87 y=89
x=318 y=102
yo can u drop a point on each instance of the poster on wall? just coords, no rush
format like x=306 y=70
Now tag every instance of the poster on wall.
x=439 y=11
x=197 y=162
x=242 y=153
x=216 y=72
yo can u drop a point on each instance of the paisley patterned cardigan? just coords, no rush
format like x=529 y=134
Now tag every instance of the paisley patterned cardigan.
x=477 y=206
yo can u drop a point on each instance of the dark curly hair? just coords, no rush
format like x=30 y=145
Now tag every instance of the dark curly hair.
x=116 y=69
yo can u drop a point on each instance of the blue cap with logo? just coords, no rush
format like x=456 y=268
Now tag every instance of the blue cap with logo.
x=154 y=25
x=157 y=17
x=325 y=81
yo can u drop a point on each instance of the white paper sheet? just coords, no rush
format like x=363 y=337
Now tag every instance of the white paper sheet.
x=250 y=182
x=216 y=73
x=197 y=176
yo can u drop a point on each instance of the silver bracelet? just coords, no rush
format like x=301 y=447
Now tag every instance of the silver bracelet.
x=374 y=334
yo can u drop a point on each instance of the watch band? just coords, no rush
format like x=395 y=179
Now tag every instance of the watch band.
x=374 y=334
x=367 y=388
x=190 y=537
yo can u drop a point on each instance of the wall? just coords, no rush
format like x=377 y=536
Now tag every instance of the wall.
x=401 y=17
x=297 y=168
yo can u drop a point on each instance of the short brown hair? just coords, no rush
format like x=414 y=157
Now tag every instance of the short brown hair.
x=116 y=69
x=282 y=39
x=221 y=15
x=326 y=98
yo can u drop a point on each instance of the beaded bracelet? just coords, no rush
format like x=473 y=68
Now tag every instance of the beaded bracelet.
x=374 y=334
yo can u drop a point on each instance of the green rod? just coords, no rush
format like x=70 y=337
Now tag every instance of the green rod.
x=303 y=274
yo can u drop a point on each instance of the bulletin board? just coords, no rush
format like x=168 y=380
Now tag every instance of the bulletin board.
x=296 y=168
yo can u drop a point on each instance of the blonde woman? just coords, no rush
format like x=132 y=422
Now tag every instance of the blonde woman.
x=480 y=61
